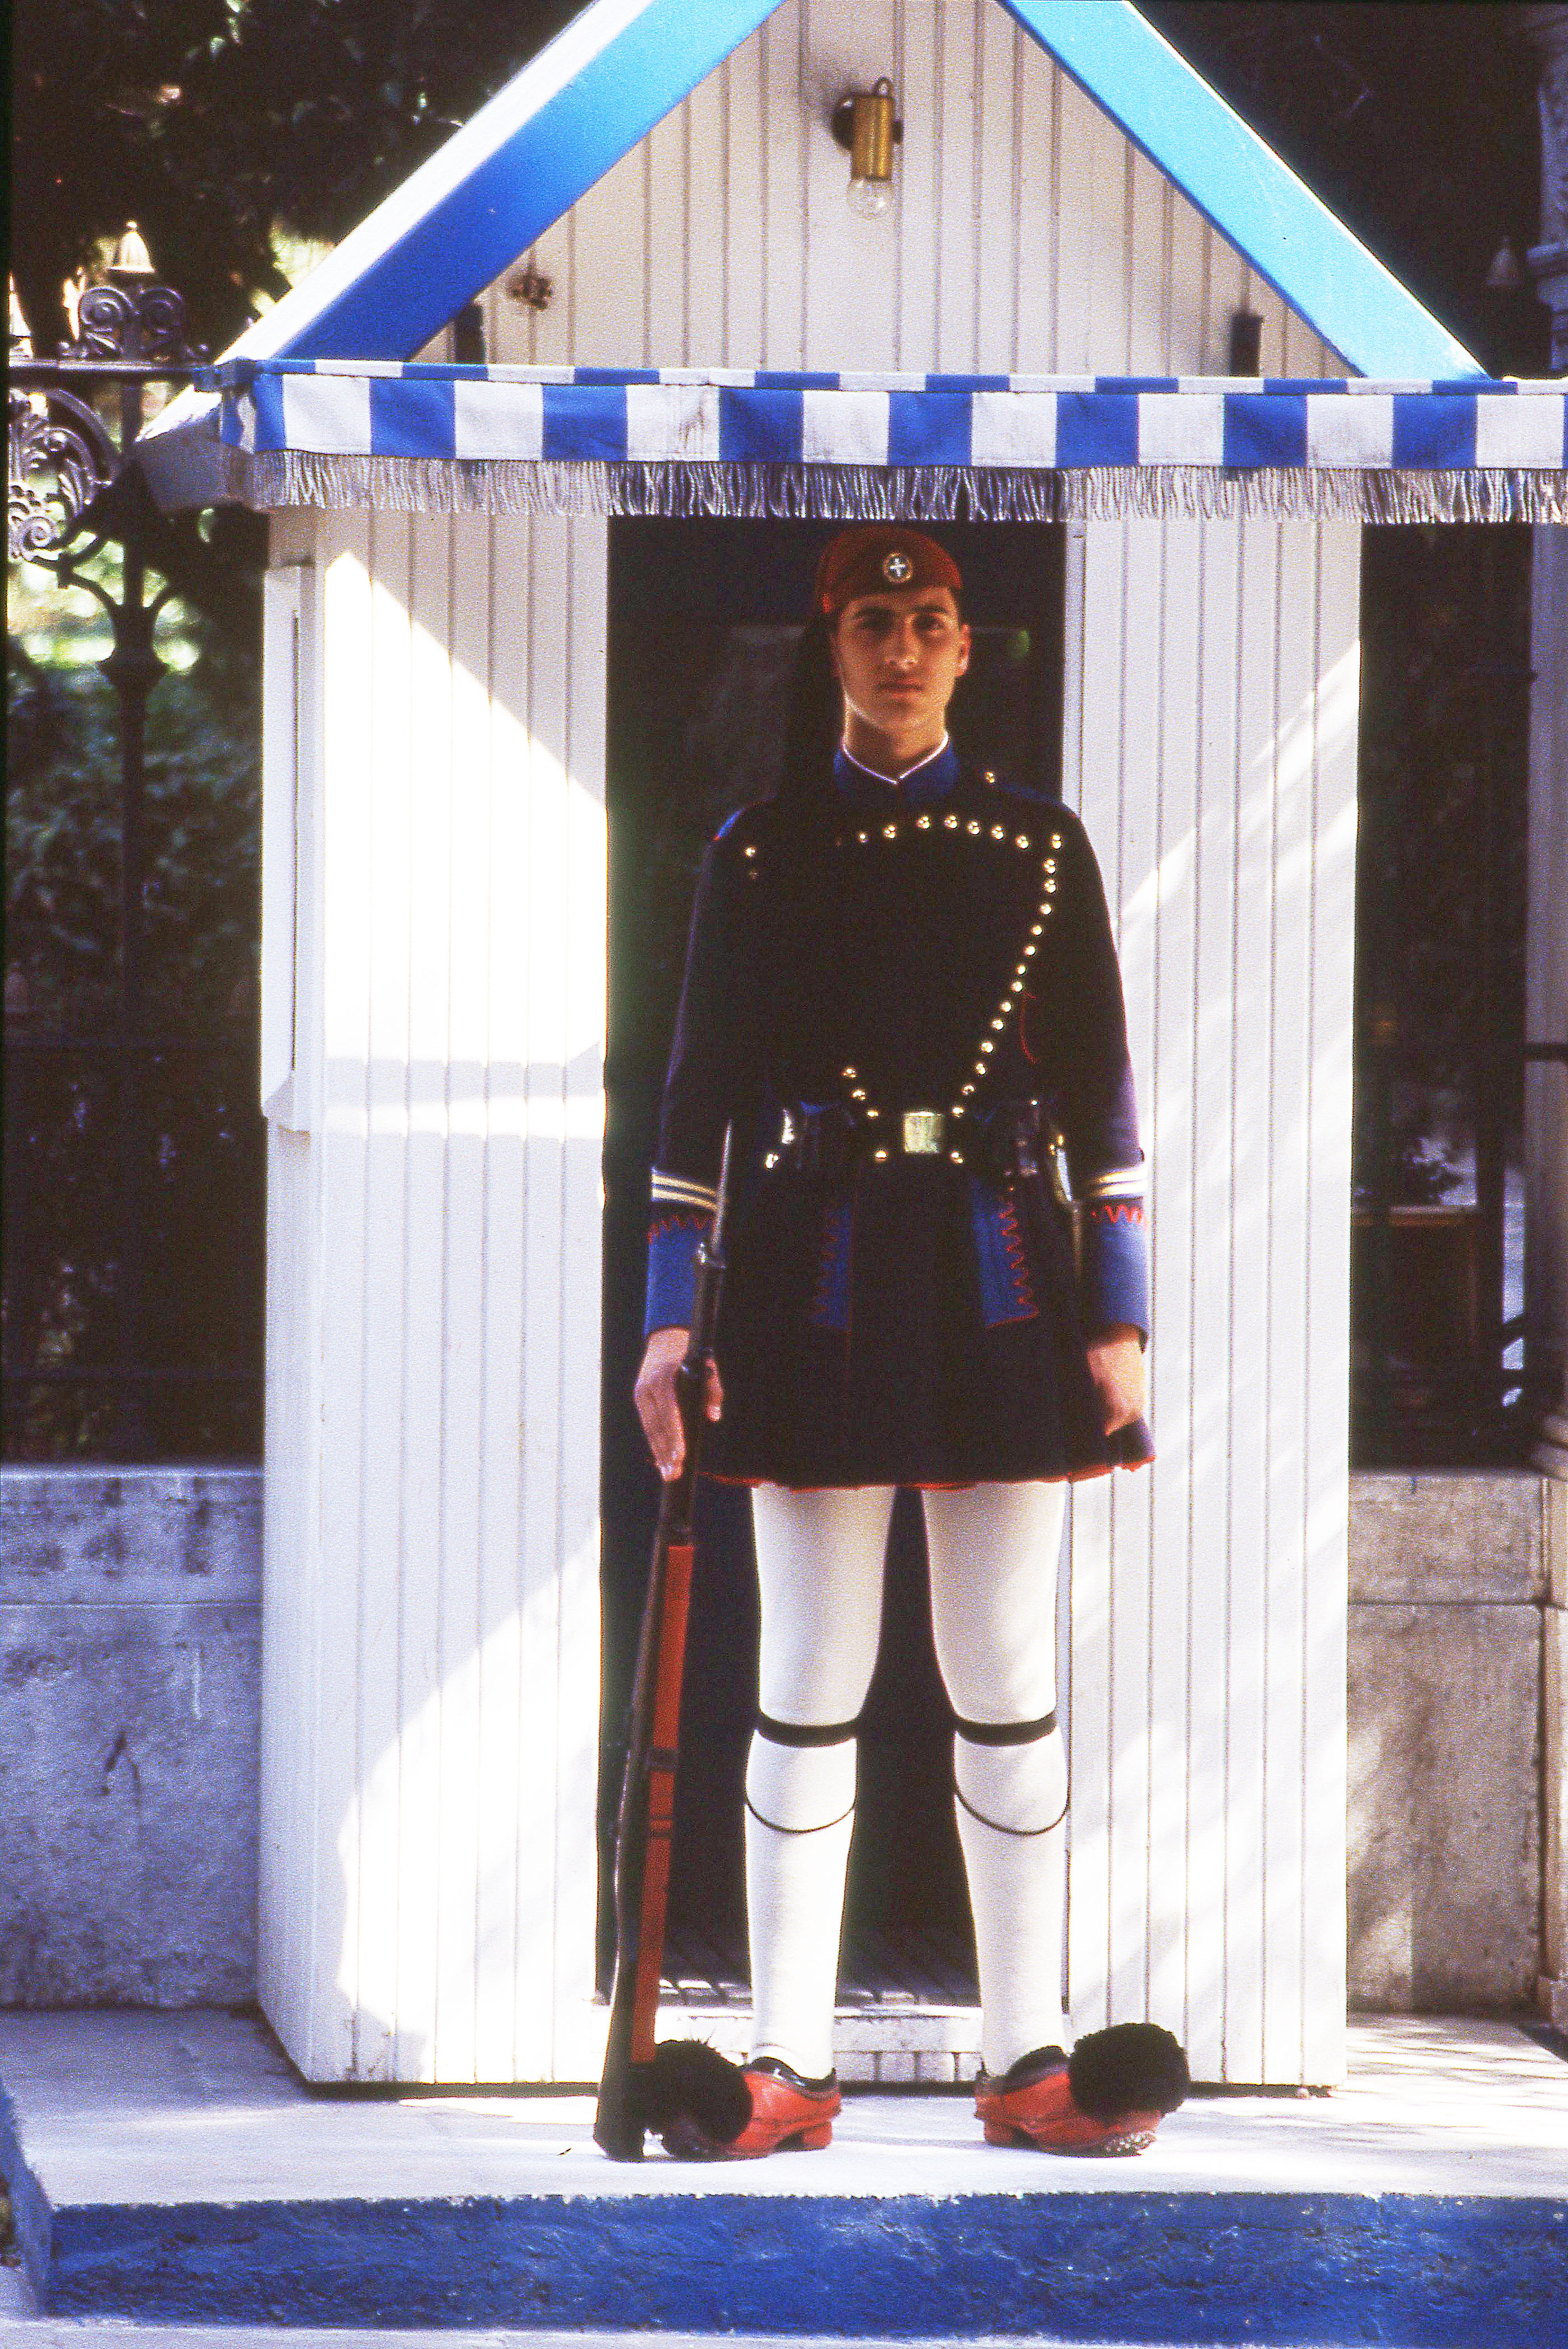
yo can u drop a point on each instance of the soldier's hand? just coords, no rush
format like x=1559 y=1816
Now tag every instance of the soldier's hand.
x=655 y=1396
x=1116 y=1366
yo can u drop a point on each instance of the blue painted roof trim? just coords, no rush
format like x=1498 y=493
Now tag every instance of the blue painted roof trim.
x=454 y=415
x=240 y=371
x=1254 y=198
x=475 y=227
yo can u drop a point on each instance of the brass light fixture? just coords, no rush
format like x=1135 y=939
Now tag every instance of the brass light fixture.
x=866 y=125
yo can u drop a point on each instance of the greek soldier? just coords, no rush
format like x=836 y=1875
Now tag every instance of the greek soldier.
x=902 y=992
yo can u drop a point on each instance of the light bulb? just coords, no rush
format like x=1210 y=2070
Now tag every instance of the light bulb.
x=869 y=199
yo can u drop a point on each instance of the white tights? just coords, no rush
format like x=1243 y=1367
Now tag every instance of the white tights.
x=993 y=1550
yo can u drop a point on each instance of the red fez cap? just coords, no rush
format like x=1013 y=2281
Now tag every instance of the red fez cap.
x=878 y=554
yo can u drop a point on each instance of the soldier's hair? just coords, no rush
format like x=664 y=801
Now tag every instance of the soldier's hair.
x=816 y=712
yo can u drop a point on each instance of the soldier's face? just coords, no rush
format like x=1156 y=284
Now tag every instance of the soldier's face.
x=898 y=655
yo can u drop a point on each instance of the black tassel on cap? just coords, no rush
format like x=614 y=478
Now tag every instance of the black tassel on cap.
x=692 y=2096
x=1133 y=2067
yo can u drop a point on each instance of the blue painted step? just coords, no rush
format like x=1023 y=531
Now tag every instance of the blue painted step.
x=172 y=2166
x=1089 y=2267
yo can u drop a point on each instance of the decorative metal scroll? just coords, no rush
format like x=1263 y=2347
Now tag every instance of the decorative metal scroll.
x=115 y=323
x=60 y=454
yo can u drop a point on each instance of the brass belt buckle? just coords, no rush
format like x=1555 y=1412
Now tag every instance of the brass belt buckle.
x=923 y=1132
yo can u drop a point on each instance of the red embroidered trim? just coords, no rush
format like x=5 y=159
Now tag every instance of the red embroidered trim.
x=1117 y=1211
x=1017 y=1256
x=1067 y=1477
x=685 y=1222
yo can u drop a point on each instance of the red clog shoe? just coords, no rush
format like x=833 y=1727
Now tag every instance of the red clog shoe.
x=1106 y=2098
x=788 y=2112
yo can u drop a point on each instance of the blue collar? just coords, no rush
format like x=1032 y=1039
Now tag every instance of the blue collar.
x=932 y=780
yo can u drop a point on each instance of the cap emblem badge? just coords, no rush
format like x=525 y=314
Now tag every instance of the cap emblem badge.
x=897 y=568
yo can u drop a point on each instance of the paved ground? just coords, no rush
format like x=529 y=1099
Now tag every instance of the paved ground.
x=152 y=2109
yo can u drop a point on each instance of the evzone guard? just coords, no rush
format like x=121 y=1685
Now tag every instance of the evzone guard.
x=903 y=994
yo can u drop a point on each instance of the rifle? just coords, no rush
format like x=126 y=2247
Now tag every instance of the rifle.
x=697 y=2100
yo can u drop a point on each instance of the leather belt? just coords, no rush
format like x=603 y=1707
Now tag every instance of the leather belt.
x=1008 y=1138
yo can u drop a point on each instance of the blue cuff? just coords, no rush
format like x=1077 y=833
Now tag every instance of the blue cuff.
x=1113 y=1276
x=673 y=1243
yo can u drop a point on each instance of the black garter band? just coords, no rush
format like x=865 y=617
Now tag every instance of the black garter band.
x=1004 y=1733
x=802 y=1733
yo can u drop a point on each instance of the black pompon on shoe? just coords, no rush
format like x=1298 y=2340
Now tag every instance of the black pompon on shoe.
x=694 y=2098
x=784 y=2111
x=1108 y=2097
x=1131 y=2067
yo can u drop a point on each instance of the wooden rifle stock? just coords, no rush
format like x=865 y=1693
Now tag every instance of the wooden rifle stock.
x=625 y=2106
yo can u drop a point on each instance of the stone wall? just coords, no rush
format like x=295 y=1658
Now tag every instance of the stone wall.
x=1448 y=1580
x=1555 y=1777
x=129 y=1660
x=130 y=1644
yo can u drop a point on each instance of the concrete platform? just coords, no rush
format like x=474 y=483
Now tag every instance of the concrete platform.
x=172 y=2167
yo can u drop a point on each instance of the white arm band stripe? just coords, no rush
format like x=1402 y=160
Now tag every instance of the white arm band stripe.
x=1116 y=1182
x=675 y=1191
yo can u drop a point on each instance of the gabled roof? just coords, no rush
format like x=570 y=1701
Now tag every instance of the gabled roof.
x=596 y=90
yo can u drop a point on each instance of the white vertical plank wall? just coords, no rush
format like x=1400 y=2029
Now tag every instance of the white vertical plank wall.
x=1214 y=766
x=291 y=771
x=1026 y=232
x=433 y=1337
x=430 y=1723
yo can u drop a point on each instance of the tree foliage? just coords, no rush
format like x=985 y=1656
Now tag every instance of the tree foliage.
x=1442 y=849
x=1415 y=123
x=63 y=830
x=169 y=1119
x=218 y=124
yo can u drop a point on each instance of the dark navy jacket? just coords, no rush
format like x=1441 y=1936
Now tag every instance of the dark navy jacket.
x=937 y=948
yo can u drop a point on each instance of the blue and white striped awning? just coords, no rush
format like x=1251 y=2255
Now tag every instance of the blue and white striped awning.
x=417 y=436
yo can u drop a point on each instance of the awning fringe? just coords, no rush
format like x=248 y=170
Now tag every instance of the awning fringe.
x=278 y=478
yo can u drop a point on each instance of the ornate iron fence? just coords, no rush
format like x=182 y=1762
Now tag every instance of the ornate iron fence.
x=134 y=1146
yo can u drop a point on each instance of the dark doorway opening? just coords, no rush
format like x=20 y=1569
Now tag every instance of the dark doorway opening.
x=703 y=622
x=1436 y=1288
